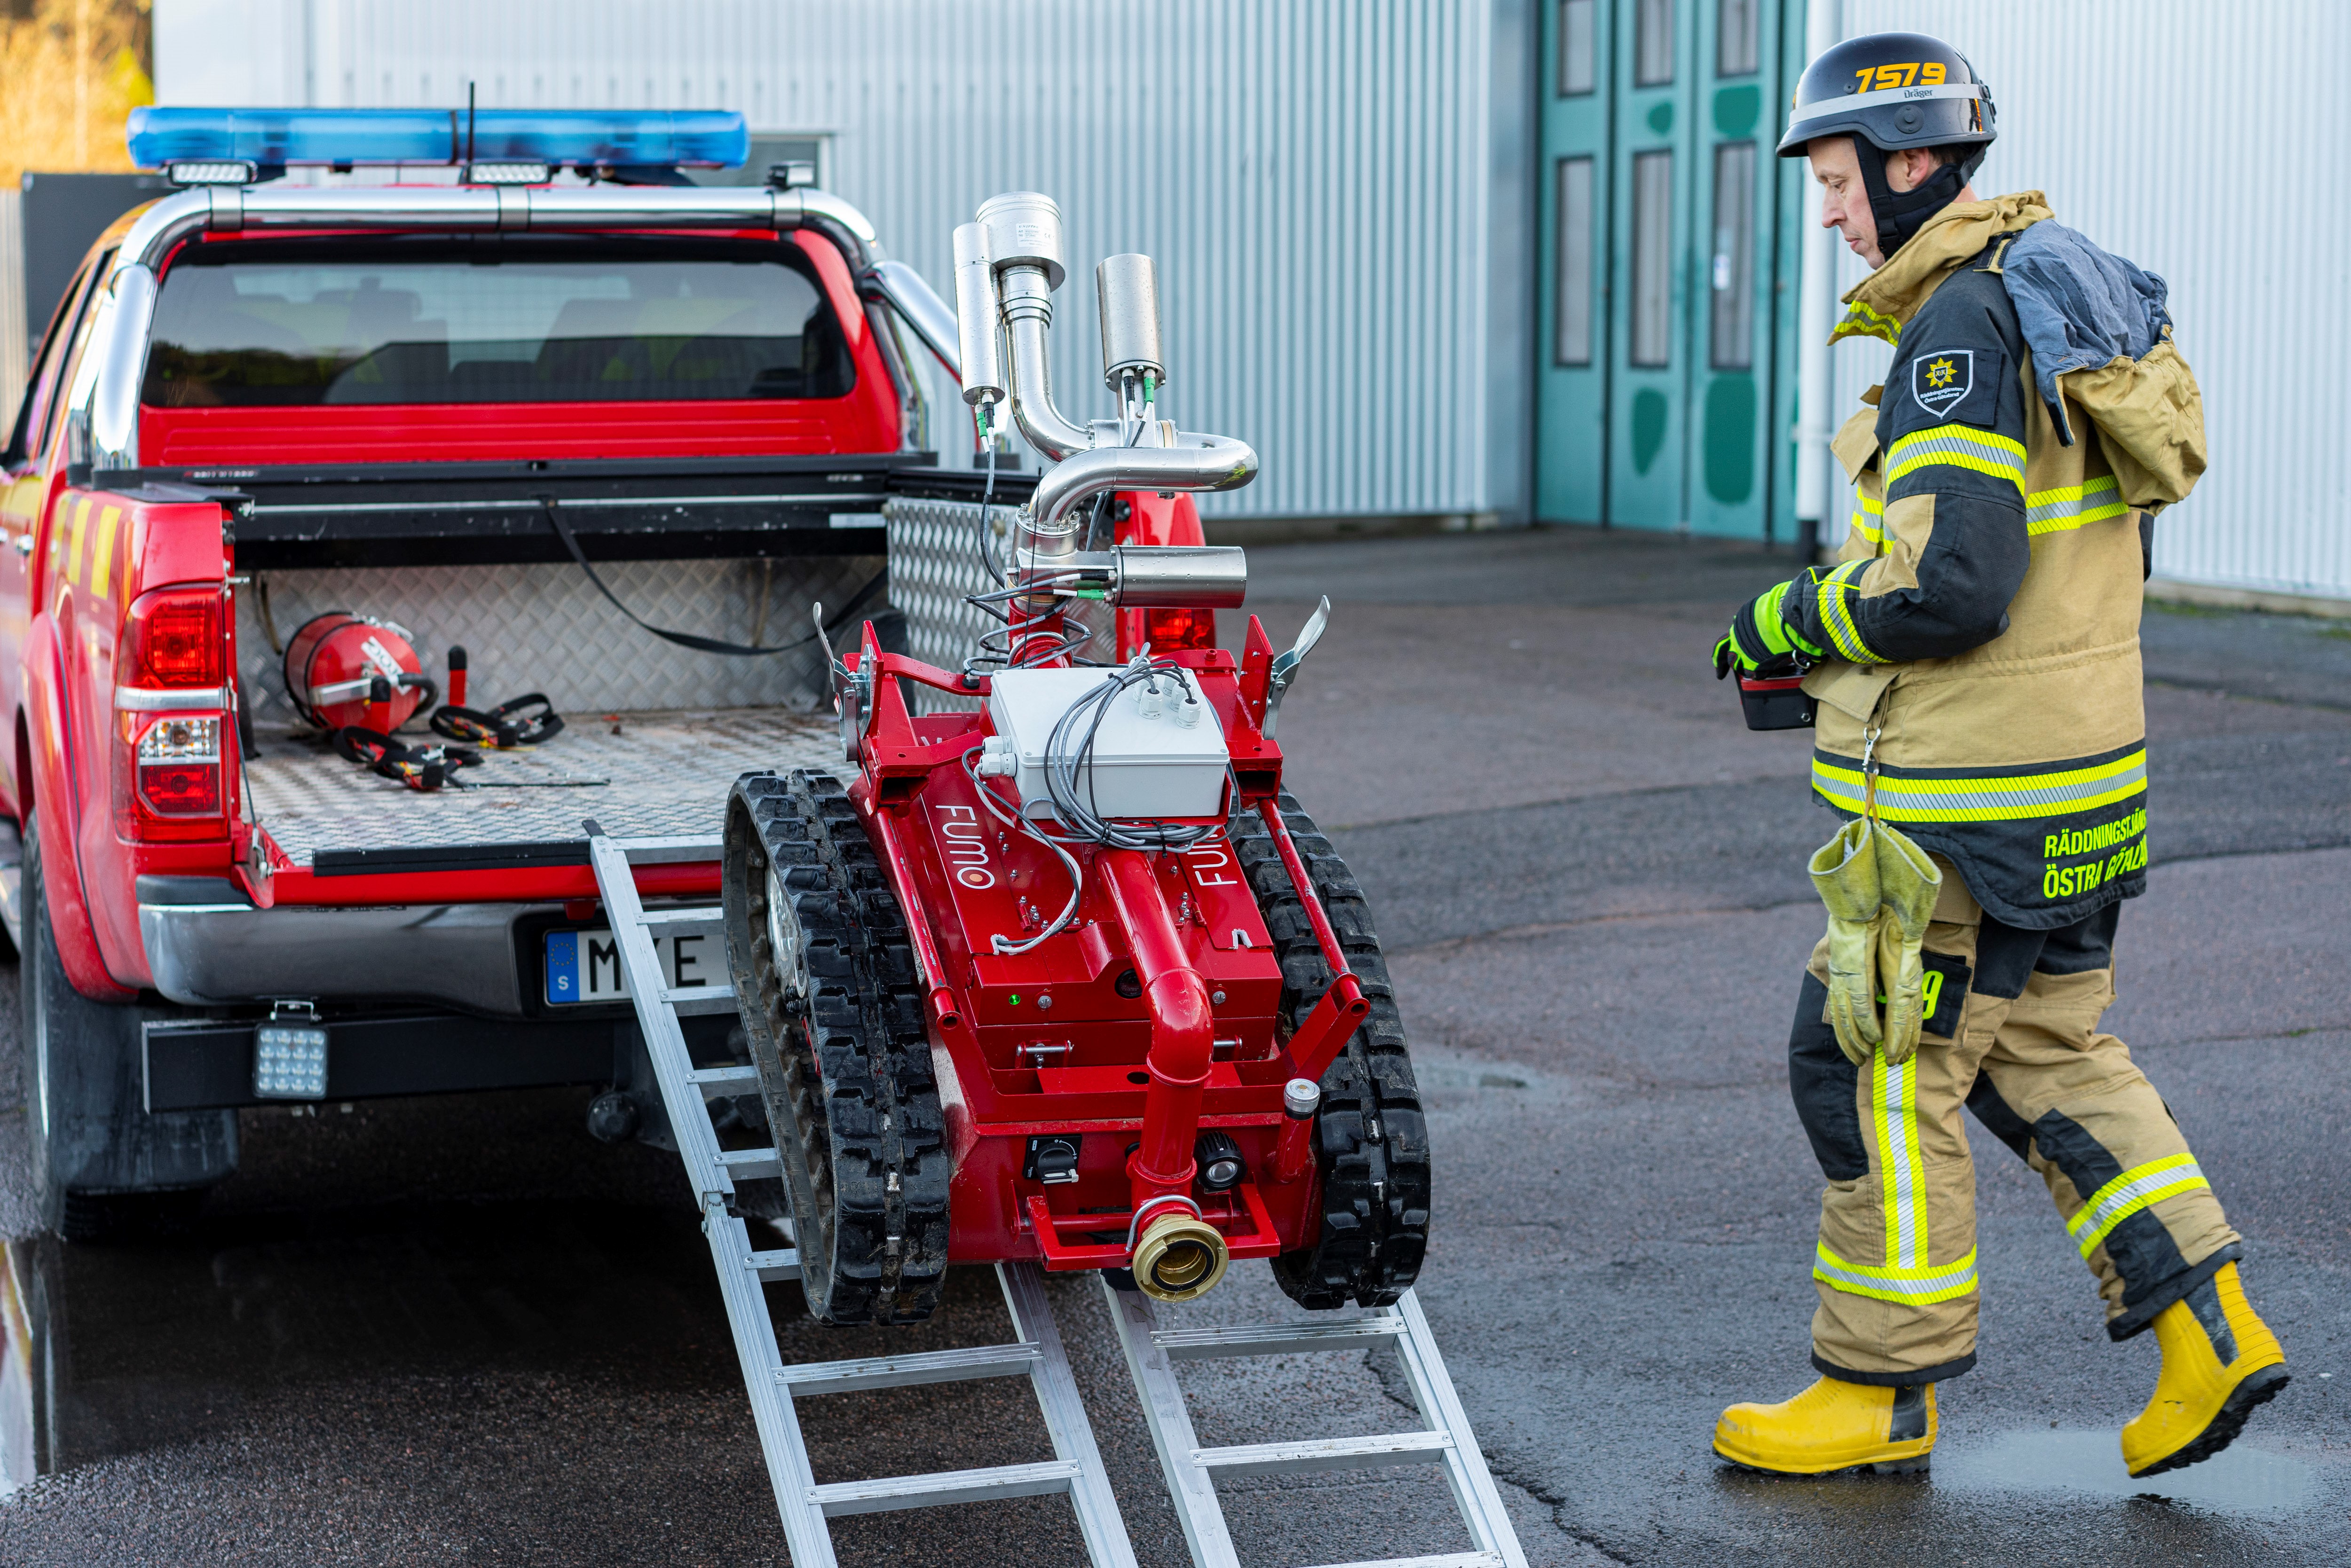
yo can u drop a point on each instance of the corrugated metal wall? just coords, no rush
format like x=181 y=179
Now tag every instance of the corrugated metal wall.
x=14 y=349
x=1331 y=187
x=2189 y=137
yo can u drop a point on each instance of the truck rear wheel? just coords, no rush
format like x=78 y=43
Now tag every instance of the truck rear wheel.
x=824 y=978
x=101 y=1161
x=1371 y=1144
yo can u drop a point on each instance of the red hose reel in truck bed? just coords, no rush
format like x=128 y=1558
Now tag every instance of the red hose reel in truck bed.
x=1071 y=979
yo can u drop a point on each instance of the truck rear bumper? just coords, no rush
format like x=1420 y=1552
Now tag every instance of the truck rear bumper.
x=227 y=955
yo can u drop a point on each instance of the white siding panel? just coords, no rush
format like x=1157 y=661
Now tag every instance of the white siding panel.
x=14 y=350
x=2179 y=133
x=1312 y=177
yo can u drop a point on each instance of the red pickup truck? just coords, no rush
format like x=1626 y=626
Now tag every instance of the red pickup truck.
x=492 y=415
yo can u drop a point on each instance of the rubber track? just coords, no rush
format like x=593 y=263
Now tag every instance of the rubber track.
x=1371 y=1141
x=845 y=1074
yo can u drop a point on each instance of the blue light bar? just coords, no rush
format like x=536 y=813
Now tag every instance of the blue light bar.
x=658 y=137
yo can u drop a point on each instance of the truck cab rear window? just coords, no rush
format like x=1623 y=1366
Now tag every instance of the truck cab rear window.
x=275 y=323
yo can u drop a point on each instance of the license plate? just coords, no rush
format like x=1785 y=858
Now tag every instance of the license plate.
x=585 y=966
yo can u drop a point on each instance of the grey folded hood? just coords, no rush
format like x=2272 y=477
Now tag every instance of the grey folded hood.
x=2079 y=308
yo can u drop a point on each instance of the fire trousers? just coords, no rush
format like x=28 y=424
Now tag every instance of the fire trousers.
x=2012 y=1032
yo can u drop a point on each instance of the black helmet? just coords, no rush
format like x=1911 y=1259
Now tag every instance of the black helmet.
x=1890 y=91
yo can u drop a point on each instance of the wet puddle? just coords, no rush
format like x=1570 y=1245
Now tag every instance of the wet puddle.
x=2243 y=1481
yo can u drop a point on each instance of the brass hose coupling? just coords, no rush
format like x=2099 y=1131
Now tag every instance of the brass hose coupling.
x=1179 y=1256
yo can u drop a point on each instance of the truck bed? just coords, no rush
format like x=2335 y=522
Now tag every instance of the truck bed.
x=637 y=774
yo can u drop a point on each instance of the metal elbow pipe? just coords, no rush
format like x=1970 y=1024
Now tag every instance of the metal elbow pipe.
x=1029 y=311
x=1194 y=462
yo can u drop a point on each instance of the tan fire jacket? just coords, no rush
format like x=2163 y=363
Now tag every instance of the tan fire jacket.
x=1983 y=620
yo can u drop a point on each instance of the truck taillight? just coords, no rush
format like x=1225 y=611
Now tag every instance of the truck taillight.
x=174 y=637
x=179 y=766
x=171 y=703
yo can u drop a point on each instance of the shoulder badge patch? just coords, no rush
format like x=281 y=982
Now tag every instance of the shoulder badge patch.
x=1942 y=378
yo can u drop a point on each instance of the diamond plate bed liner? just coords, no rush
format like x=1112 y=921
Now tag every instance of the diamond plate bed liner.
x=637 y=774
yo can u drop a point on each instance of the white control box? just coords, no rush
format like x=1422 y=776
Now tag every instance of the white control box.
x=1152 y=757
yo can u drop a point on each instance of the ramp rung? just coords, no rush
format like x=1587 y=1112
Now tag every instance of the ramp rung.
x=668 y=851
x=690 y=1000
x=1453 y=1560
x=1325 y=1454
x=750 y=1165
x=944 y=1486
x=711 y=916
x=775 y=1267
x=686 y=1093
x=905 y=1371
x=1274 y=1339
x=715 y=1080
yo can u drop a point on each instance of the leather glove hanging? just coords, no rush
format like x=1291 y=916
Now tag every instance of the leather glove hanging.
x=1845 y=872
x=1908 y=884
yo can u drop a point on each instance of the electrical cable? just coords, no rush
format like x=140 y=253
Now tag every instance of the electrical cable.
x=997 y=942
x=1064 y=761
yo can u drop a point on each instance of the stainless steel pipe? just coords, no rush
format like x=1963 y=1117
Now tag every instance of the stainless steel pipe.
x=1194 y=462
x=1028 y=312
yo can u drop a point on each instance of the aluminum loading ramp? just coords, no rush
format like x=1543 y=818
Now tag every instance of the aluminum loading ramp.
x=1076 y=1471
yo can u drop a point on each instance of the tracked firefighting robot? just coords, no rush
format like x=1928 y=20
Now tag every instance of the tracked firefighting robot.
x=1053 y=974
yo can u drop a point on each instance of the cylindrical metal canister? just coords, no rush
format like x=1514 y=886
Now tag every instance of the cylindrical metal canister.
x=1127 y=288
x=977 y=330
x=1181 y=577
x=1024 y=229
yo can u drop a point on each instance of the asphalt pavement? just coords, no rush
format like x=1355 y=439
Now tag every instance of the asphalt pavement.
x=460 y=1331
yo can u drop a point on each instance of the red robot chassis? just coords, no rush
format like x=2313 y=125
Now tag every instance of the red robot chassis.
x=1197 y=1057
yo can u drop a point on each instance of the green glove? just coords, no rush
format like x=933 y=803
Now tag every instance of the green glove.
x=1908 y=882
x=1845 y=870
x=1761 y=633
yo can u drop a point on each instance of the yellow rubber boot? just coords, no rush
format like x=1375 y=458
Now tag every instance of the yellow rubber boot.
x=1832 y=1426
x=2219 y=1361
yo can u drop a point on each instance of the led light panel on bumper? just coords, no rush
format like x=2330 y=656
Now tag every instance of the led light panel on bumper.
x=289 y=1062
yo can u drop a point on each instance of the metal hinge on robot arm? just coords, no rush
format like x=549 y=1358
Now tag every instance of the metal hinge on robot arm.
x=852 y=693
x=1285 y=664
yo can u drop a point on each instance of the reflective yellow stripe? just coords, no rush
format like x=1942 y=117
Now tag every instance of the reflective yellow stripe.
x=2138 y=1189
x=101 y=556
x=73 y=549
x=2001 y=798
x=2056 y=511
x=1861 y=322
x=1864 y=508
x=1920 y=1286
x=1836 y=612
x=1894 y=1107
x=1957 y=446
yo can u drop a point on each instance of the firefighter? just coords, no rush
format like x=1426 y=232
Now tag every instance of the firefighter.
x=1973 y=661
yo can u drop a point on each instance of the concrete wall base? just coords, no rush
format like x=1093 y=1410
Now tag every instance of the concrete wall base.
x=2170 y=591
x=1297 y=531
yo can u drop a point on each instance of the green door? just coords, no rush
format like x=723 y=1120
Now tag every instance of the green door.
x=1665 y=209
x=1572 y=230
x=1648 y=413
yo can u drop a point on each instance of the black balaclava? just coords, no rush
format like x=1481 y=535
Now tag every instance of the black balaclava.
x=1901 y=214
